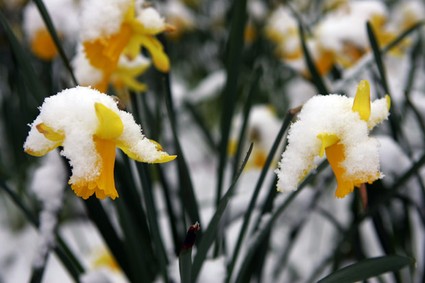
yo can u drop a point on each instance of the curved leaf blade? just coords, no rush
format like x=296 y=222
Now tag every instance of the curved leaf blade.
x=367 y=268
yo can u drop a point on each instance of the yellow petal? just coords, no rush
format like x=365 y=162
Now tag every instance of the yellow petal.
x=159 y=58
x=325 y=61
x=43 y=46
x=103 y=53
x=165 y=158
x=55 y=136
x=83 y=189
x=39 y=153
x=127 y=76
x=327 y=141
x=232 y=147
x=361 y=102
x=388 y=99
x=162 y=158
x=105 y=182
x=124 y=81
x=110 y=124
x=49 y=133
x=257 y=160
x=105 y=259
x=104 y=185
x=335 y=155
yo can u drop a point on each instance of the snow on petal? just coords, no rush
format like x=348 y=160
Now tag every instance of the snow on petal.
x=355 y=155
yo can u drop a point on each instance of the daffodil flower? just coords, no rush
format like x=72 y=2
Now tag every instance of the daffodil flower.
x=115 y=27
x=89 y=126
x=338 y=126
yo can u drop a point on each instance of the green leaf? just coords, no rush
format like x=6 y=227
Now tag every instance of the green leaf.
x=211 y=231
x=254 y=197
x=185 y=255
x=367 y=268
x=101 y=220
x=233 y=60
x=258 y=72
x=24 y=63
x=185 y=266
x=199 y=121
x=262 y=234
x=394 y=117
x=186 y=190
x=378 y=57
x=152 y=212
x=401 y=36
x=137 y=267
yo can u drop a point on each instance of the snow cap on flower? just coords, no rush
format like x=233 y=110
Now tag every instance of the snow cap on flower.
x=100 y=18
x=338 y=126
x=63 y=14
x=89 y=126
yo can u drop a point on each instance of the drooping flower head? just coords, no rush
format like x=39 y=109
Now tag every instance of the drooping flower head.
x=338 y=126
x=115 y=28
x=89 y=126
x=343 y=31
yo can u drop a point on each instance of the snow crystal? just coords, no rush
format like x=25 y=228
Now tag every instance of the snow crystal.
x=151 y=20
x=101 y=18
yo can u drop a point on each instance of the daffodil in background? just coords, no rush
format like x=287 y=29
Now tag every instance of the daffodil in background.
x=89 y=126
x=124 y=76
x=112 y=29
x=338 y=126
x=64 y=15
x=262 y=129
x=282 y=29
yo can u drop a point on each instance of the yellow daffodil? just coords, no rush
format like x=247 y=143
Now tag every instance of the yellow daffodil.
x=89 y=126
x=134 y=27
x=282 y=29
x=338 y=126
